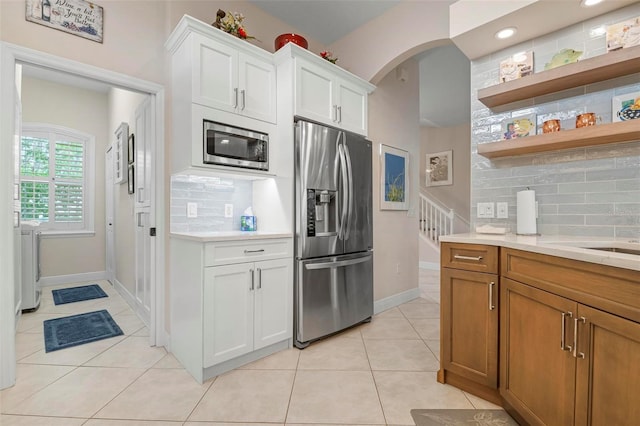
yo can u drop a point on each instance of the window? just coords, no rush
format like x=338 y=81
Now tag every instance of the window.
x=57 y=178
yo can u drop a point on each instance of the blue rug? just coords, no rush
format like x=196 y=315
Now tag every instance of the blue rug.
x=77 y=294
x=61 y=333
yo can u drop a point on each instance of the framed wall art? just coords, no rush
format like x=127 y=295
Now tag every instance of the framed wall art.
x=519 y=127
x=625 y=107
x=131 y=148
x=131 y=179
x=120 y=153
x=394 y=180
x=77 y=17
x=440 y=169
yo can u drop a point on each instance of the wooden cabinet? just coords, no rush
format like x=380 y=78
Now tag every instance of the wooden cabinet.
x=469 y=318
x=569 y=340
x=231 y=302
x=231 y=80
x=592 y=70
x=245 y=308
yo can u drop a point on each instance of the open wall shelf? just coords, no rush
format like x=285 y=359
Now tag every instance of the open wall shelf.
x=599 y=68
x=602 y=134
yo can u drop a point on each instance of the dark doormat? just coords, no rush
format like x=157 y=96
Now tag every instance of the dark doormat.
x=462 y=417
x=77 y=294
x=61 y=333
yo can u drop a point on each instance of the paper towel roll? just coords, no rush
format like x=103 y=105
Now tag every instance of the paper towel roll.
x=526 y=212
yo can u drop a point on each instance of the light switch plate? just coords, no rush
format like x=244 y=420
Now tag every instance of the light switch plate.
x=502 y=210
x=228 y=210
x=486 y=210
x=192 y=210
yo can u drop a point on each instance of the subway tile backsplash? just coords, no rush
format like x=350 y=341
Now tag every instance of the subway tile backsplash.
x=210 y=194
x=593 y=191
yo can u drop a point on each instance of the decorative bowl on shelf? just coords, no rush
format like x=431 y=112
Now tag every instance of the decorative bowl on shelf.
x=283 y=39
x=629 y=113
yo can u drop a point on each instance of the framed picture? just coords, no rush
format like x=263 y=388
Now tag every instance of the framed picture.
x=625 y=107
x=519 y=127
x=516 y=66
x=623 y=34
x=131 y=148
x=120 y=151
x=77 y=17
x=394 y=180
x=440 y=168
x=130 y=181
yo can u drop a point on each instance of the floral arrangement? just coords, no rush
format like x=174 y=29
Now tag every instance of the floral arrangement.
x=231 y=23
x=328 y=56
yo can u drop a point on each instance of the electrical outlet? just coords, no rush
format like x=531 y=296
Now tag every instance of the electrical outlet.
x=192 y=210
x=502 y=210
x=485 y=210
x=228 y=210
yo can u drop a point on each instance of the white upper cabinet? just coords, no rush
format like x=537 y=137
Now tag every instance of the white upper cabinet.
x=222 y=71
x=325 y=92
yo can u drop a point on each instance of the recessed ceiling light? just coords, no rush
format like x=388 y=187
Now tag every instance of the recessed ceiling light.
x=506 y=33
x=587 y=3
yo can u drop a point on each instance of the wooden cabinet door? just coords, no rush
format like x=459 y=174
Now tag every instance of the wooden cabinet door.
x=537 y=375
x=470 y=325
x=314 y=97
x=215 y=74
x=227 y=312
x=608 y=377
x=273 y=299
x=352 y=107
x=257 y=85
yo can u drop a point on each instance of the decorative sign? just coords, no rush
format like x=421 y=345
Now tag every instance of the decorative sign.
x=77 y=17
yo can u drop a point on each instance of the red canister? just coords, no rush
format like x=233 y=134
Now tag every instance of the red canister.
x=283 y=39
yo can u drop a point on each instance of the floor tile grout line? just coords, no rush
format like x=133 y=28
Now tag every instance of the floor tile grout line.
x=213 y=380
x=293 y=385
x=375 y=384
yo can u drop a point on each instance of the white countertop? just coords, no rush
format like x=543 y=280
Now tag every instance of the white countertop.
x=562 y=246
x=205 y=237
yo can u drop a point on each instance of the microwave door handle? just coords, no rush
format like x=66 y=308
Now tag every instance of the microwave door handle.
x=350 y=192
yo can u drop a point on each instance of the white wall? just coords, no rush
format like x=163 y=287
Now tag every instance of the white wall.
x=122 y=106
x=86 y=111
x=394 y=121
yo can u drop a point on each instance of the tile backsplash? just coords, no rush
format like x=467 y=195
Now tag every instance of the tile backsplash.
x=593 y=191
x=210 y=194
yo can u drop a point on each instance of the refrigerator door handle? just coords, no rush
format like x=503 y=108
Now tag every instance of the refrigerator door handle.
x=345 y=192
x=337 y=264
x=350 y=192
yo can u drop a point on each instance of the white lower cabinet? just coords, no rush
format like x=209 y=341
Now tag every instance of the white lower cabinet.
x=246 y=308
x=231 y=301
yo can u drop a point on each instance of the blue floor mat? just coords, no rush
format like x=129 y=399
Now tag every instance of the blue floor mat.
x=77 y=294
x=74 y=330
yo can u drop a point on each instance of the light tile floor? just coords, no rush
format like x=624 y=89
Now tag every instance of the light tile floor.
x=373 y=374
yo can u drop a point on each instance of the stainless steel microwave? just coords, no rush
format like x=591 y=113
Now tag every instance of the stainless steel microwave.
x=232 y=146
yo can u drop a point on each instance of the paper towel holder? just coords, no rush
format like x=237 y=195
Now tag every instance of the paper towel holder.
x=529 y=225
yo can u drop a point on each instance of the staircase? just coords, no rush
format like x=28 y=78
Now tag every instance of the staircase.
x=435 y=221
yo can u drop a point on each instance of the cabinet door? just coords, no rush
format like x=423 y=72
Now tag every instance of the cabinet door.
x=315 y=93
x=273 y=299
x=470 y=325
x=537 y=375
x=352 y=108
x=607 y=385
x=215 y=74
x=227 y=312
x=257 y=81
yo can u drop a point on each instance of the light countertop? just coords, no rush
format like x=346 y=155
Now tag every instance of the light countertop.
x=206 y=237
x=569 y=247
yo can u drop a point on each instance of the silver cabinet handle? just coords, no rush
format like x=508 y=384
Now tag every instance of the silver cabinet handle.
x=576 y=320
x=339 y=114
x=335 y=114
x=563 y=332
x=251 y=281
x=244 y=99
x=235 y=98
x=461 y=257
x=253 y=251
x=491 y=305
x=259 y=278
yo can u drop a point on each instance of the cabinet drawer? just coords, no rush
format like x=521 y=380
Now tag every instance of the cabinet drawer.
x=224 y=253
x=470 y=257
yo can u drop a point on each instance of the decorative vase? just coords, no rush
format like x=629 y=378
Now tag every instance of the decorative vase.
x=283 y=39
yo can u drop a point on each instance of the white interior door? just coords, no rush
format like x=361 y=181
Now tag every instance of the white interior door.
x=143 y=185
x=109 y=216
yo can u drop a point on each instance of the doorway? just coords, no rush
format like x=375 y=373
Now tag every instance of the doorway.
x=11 y=55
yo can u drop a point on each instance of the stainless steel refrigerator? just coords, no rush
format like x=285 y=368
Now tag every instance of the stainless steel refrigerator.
x=334 y=233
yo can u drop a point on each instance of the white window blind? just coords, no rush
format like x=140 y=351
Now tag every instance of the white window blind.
x=54 y=175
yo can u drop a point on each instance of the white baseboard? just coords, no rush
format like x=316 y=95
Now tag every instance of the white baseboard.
x=395 y=300
x=433 y=266
x=72 y=278
x=125 y=294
